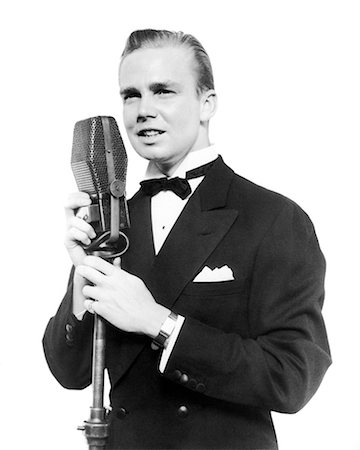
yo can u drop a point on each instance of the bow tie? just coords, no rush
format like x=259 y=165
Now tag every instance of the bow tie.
x=180 y=186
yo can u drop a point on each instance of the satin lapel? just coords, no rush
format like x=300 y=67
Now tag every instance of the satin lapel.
x=203 y=223
x=140 y=257
x=191 y=241
x=201 y=226
x=138 y=261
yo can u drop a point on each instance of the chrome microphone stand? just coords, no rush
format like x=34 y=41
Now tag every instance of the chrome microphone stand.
x=96 y=428
x=99 y=164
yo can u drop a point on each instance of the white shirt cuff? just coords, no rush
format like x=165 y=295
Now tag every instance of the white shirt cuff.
x=170 y=343
x=80 y=314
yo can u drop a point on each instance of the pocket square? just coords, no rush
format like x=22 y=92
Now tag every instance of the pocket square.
x=223 y=273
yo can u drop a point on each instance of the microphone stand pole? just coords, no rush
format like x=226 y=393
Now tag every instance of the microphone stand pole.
x=96 y=427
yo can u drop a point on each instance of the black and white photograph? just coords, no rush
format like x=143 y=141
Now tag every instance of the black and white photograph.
x=180 y=225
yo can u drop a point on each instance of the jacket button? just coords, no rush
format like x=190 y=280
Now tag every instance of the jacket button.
x=184 y=378
x=69 y=337
x=192 y=383
x=68 y=327
x=121 y=413
x=182 y=411
x=177 y=375
x=200 y=387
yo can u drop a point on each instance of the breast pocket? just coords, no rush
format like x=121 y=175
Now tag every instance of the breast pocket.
x=214 y=288
x=219 y=304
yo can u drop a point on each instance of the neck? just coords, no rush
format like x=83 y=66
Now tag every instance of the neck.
x=202 y=141
x=169 y=169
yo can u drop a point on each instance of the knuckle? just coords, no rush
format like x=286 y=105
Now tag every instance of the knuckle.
x=75 y=200
x=88 y=259
x=73 y=233
x=85 y=290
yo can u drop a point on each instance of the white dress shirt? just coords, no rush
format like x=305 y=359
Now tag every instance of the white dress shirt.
x=166 y=207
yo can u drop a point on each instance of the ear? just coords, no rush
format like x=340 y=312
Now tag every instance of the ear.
x=208 y=105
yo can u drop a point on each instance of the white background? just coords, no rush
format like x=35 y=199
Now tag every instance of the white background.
x=287 y=75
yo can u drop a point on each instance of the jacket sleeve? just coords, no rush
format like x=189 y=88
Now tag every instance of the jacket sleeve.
x=67 y=344
x=280 y=365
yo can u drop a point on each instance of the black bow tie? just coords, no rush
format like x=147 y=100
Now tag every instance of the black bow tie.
x=180 y=186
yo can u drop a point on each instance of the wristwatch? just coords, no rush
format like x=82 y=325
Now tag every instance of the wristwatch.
x=165 y=331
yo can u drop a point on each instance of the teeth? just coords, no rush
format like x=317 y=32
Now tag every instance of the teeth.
x=149 y=133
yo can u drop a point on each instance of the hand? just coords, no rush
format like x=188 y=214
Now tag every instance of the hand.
x=121 y=298
x=78 y=232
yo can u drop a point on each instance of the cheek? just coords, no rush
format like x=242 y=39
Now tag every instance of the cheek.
x=186 y=117
x=129 y=117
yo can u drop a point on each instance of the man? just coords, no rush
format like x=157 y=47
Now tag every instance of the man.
x=214 y=318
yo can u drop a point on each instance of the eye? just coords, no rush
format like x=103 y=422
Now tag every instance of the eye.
x=131 y=95
x=164 y=92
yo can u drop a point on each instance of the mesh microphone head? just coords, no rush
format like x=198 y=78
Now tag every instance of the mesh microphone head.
x=88 y=160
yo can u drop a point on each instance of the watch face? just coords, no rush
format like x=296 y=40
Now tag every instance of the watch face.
x=165 y=331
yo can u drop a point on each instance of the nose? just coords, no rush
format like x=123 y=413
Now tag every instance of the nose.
x=146 y=109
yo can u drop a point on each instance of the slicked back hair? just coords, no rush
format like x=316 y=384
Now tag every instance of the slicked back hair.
x=150 y=38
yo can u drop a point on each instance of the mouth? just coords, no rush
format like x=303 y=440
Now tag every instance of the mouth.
x=149 y=132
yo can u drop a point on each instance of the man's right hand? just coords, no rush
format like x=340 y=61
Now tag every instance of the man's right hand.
x=78 y=231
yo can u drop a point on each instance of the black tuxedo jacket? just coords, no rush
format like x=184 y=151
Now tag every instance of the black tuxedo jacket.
x=248 y=346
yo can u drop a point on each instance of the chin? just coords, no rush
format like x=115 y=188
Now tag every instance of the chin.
x=153 y=153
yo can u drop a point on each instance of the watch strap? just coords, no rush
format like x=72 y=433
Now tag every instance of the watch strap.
x=165 y=331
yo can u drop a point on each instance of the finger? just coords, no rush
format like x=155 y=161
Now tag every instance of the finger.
x=94 y=307
x=89 y=306
x=117 y=262
x=75 y=235
x=75 y=201
x=91 y=292
x=77 y=222
x=92 y=275
x=99 y=264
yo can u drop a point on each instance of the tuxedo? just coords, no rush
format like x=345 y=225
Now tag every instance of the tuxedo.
x=249 y=345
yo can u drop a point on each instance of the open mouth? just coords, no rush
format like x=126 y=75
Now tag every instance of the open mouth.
x=150 y=132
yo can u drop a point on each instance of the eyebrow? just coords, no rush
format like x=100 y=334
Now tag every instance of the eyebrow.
x=153 y=87
x=128 y=91
x=163 y=85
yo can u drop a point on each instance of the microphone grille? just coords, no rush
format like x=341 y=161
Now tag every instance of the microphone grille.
x=88 y=160
x=119 y=152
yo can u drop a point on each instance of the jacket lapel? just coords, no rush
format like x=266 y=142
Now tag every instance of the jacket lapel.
x=199 y=229
x=140 y=256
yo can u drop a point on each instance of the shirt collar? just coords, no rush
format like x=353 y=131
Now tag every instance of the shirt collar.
x=192 y=160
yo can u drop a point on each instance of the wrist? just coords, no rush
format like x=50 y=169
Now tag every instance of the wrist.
x=166 y=329
x=155 y=320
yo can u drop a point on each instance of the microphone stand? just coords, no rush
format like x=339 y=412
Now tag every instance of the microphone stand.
x=96 y=428
x=107 y=246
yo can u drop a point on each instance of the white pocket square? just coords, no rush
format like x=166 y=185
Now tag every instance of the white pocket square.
x=223 y=273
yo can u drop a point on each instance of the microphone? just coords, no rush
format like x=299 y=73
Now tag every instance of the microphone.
x=99 y=164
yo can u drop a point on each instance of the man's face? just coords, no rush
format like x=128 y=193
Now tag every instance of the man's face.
x=162 y=109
